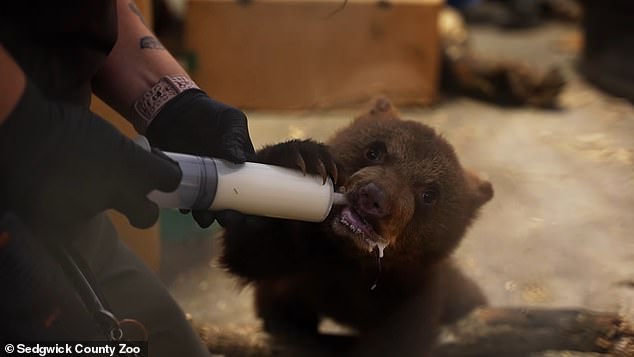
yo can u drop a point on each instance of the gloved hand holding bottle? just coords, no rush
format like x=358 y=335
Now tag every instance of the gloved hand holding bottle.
x=62 y=164
x=193 y=123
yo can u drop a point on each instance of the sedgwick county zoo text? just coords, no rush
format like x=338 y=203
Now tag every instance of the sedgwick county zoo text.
x=106 y=348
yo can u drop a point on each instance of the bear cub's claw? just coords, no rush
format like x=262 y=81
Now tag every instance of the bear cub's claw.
x=308 y=156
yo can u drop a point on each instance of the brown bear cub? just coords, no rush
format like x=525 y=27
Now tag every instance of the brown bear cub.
x=408 y=194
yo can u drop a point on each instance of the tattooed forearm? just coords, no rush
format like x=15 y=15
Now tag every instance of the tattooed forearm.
x=151 y=43
x=135 y=10
x=145 y=41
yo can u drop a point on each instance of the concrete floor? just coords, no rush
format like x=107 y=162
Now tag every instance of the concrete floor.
x=559 y=230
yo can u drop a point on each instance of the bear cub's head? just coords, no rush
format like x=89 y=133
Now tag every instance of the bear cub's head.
x=405 y=186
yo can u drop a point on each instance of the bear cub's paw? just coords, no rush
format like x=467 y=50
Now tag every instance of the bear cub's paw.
x=307 y=156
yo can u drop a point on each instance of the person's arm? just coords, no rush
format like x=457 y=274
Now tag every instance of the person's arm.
x=12 y=84
x=144 y=83
x=137 y=62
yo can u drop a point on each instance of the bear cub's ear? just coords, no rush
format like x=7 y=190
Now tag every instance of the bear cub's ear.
x=382 y=107
x=480 y=189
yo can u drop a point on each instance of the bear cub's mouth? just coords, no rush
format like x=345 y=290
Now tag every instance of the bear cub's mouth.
x=350 y=223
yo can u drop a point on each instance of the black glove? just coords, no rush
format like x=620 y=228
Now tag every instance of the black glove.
x=193 y=123
x=62 y=164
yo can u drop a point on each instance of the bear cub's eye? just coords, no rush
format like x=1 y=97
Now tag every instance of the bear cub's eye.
x=375 y=152
x=430 y=195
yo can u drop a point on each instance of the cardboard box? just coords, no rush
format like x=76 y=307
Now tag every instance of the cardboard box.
x=297 y=54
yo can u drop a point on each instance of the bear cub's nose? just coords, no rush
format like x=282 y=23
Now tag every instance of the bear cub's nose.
x=371 y=201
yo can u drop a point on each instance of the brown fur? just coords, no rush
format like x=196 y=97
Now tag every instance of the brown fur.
x=406 y=181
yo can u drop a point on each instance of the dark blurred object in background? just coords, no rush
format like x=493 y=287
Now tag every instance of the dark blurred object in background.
x=608 y=55
x=466 y=72
x=517 y=13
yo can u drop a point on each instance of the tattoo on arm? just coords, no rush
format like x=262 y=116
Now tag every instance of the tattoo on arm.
x=135 y=10
x=150 y=43
x=146 y=41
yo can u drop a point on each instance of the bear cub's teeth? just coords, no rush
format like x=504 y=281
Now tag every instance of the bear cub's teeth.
x=350 y=226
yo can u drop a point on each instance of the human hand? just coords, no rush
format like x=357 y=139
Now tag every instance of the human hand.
x=62 y=164
x=193 y=123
